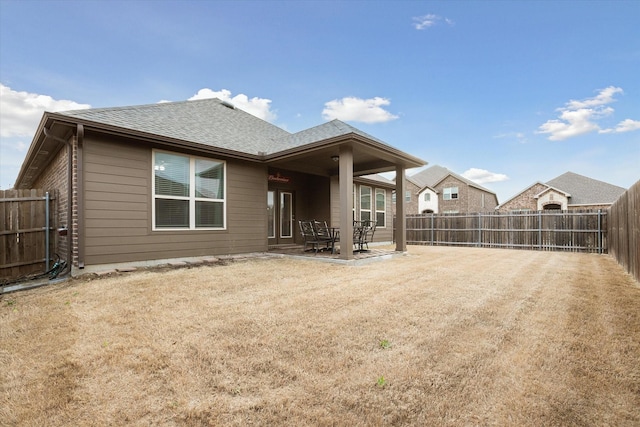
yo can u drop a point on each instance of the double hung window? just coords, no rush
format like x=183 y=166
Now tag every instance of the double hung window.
x=381 y=207
x=450 y=193
x=188 y=192
x=365 y=203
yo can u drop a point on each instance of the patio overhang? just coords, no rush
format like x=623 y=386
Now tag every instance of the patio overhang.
x=322 y=157
x=348 y=156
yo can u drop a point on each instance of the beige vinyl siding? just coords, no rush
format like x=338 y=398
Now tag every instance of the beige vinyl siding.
x=382 y=234
x=385 y=234
x=118 y=202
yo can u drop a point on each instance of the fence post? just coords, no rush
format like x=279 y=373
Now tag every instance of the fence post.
x=540 y=230
x=600 y=231
x=479 y=229
x=431 y=229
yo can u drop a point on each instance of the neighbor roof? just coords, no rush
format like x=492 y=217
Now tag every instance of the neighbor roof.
x=431 y=176
x=584 y=190
x=580 y=189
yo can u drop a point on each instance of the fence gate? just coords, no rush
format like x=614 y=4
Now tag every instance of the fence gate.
x=27 y=238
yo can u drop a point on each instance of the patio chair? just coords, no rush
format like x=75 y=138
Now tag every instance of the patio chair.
x=369 y=230
x=363 y=232
x=358 y=235
x=326 y=235
x=309 y=235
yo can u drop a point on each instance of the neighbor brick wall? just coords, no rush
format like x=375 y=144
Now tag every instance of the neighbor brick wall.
x=524 y=200
x=461 y=204
x=410 y=207
x=474 y=201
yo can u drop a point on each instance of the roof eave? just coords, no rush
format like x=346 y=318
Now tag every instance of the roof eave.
x=407 y=160
x=35 y=148
x=160 y=139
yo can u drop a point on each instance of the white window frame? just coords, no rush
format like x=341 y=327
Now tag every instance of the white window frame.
x=283 y=218
x=449 y=192
x=370 y=202
x=271 y=209
x=191 y=198
x=382 y=211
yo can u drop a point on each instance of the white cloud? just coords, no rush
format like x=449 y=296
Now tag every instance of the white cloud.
x=480 y=176
x=259 y=107
x=604 y=97
x=580 y=117
x=627 y=125
x=429 y=20
x=358 y=110
x=20 y=112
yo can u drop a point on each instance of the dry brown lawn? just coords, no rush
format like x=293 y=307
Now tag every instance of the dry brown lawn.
x=442 y=336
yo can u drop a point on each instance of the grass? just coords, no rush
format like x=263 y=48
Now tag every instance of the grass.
x=442 y=336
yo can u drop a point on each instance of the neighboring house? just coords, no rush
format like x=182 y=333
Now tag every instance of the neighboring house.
x=568 y=191
x=202 y=178
x=438 y=190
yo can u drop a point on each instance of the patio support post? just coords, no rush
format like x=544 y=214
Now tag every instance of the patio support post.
x=401 y=219
x=346 y=201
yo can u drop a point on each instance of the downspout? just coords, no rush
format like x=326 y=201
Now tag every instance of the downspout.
x=80 y=197
x=69 y=192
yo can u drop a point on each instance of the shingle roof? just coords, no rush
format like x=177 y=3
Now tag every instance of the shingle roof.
x=584 y=190
x=214 y=123
x=209 y=121
x=321 y=132
x=434 y=174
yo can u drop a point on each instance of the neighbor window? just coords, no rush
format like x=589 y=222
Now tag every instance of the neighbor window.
x=365 y=203
x=381 y=207
x=407 y=196
x=189 y=192
x=450 y=193
x=427 y=197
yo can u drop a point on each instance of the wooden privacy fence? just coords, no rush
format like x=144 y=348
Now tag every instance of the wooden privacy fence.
x=624 y=230
x=27 y=239
x=542 y=230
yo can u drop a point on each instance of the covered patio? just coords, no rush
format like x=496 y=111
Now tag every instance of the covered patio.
x=341 y=152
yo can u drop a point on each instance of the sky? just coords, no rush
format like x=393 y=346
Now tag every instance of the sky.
x=505 y=93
